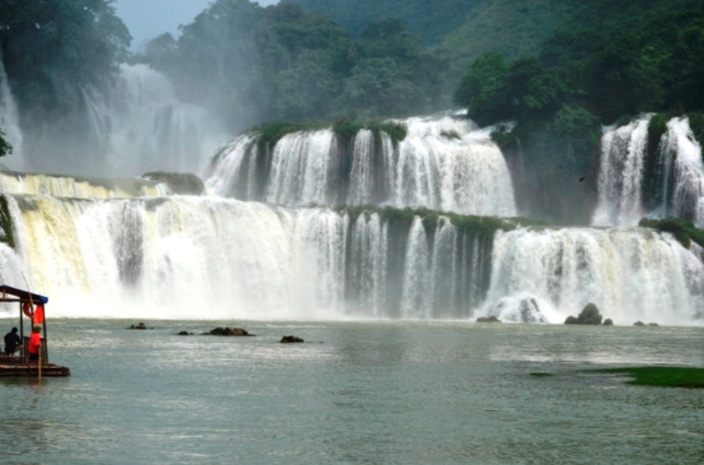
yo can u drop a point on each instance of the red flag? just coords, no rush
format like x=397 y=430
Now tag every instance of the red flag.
x=38 y=317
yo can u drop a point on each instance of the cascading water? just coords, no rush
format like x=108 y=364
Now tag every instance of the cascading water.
x=630 y=274
x=449 y=165
x=682 y=156
x=214 y=258
x=86 y=188
x=620 y=174
x=9 y=120
x=677 y=174
x=442 y=164
x=165 y=257
x=143 y=126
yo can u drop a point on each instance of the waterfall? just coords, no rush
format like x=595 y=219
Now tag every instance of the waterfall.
x=682 y=155
x=444 y=163
x=164 y=257
x=300 y=169
x=620 y=174
x=630 y=274
x=448 y=165
x=9 y=120
x=87 y=188
x=143 y=126
x=677 y=185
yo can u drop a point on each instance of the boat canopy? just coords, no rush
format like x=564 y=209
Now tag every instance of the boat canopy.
x=21 y=295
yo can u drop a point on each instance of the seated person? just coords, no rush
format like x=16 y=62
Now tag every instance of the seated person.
x=12 y=342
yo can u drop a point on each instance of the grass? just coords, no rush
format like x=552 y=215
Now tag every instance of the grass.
x=662 y=376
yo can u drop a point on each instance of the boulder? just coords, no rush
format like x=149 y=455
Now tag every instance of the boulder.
x=179 y=183
x=588 y=316
x=608 y=322
x=226 y=331
x=139 y=325
x=290 y=339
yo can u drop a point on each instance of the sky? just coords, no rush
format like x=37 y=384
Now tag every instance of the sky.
x=147 y=19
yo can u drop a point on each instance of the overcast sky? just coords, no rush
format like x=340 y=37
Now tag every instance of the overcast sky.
x=147 y=19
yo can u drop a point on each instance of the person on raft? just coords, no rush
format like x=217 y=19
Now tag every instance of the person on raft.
x=12 y=342
x=35 y=344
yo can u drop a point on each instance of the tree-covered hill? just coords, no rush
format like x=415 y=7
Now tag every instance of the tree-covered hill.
x=430 y=21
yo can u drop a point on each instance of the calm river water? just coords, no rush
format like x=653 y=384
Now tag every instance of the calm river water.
x=354 y=393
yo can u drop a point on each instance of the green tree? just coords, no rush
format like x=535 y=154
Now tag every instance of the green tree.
x=53 y=49
x=484 y=90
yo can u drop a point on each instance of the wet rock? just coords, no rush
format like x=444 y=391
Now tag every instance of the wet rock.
x=588 y=316
x=184 y=333
x=608 y=322
x=488 y=319
x=139 y=325
x=226 y=331
x=290 y=339
x=179 y=183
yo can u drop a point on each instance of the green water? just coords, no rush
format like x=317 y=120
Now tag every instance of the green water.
x=354 y=393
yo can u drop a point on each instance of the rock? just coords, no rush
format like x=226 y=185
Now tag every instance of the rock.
x=588 y=316
x=608 y=322
x=179 y=183
x=184 y=333
x=638 y=323
x=653 y=324
x=530 y=311
x=229 y=332
x=290 y=339
x=139 y=325
x=488 y=319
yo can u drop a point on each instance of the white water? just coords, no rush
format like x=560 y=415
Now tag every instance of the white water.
x=630 y=274
x=143 y=126
x=300 y=169
x=683 y=156
x=620 y=173
x=679 y=168
x=231 y=259
x=9 y=120
x=68 y=186
x=163 y=257
x=444 y=164
x=447 y=164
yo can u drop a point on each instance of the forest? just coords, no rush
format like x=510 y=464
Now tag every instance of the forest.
x=560 y=69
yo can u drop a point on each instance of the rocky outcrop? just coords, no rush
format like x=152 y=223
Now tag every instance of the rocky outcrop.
x=588 y=316
x=488 y=319
x=139 y=325
x=290 y=339
x=228 y=332
x=179 y=183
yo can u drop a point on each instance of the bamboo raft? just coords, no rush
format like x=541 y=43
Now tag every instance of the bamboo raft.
x=31 y=306
x=17 y=367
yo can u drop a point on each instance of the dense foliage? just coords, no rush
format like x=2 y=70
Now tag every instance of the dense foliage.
x=684 y=231
x=645 y=58
x=429 y=22
x=53 y=49
x=559 y=68
x=55 y=52
x=254 y=64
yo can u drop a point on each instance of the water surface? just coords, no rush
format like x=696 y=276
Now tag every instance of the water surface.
x=353 y=393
